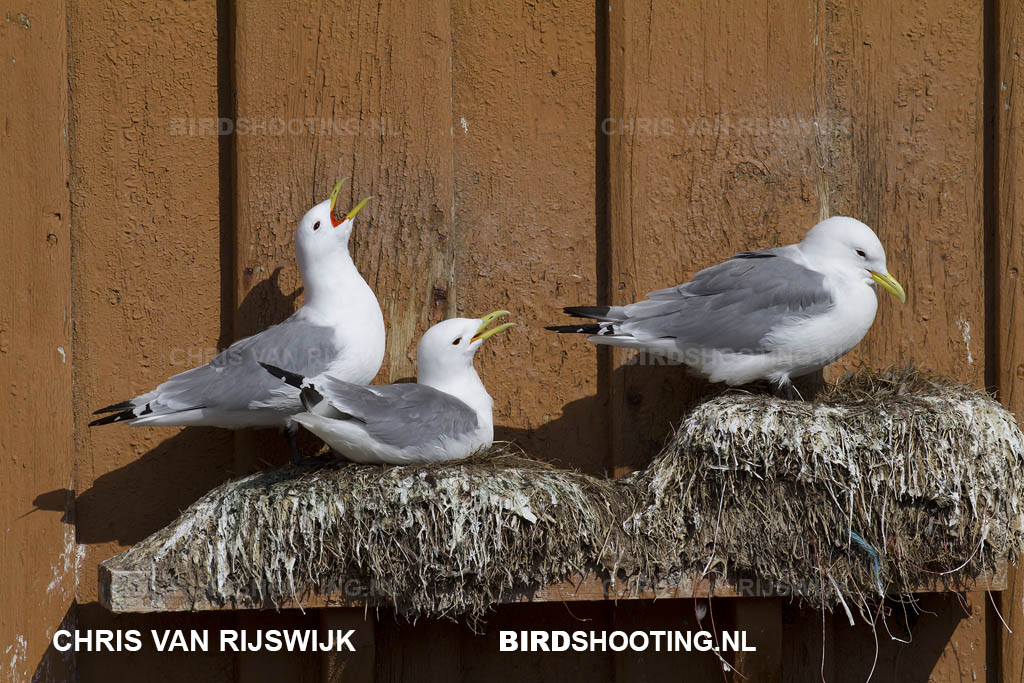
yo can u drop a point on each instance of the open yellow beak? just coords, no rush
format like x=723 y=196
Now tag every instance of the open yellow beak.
x=334 y=200
x=481 y=335
x=890 y=284
x=352 y=214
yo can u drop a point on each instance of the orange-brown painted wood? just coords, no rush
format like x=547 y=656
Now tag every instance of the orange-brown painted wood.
x=148 y=270
x=38 y=550
x=524 y=89
x=1005 y=189
x=522 y=157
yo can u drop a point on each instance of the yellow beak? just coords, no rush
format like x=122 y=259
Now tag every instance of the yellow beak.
x=890 y=284
x=334 y=194
x=487 y=320
x=352 y=214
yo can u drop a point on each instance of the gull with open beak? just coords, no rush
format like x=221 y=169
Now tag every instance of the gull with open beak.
x=339 y=330
x=445 y=415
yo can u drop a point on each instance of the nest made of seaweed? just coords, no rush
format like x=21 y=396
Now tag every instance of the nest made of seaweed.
x=885 y=483
x=433 y=540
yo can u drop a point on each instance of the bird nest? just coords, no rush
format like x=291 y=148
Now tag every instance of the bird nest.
x=883 y=484
x=436 y=540
x=886 y=483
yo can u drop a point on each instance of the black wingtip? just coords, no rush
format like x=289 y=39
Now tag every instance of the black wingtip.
x=123 y=405
x=589 y=328
x=310 y=398
x=116 y=417
x=598 y=312
x=290 y=378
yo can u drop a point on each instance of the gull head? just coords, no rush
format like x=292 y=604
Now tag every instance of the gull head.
x=448 y=347
x=323 y=233
x=848 y=247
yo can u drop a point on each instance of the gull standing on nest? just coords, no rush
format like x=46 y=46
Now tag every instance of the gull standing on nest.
x=445 y=415
x=339 y=330
x=773 y=314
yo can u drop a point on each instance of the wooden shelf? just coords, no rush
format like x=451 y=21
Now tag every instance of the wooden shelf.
x=128 y=590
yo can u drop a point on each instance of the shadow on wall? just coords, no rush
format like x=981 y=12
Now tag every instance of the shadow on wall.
x=56 y=666
x=135 y=500
x=909 y=651
x=642 y=407
x=131 y=502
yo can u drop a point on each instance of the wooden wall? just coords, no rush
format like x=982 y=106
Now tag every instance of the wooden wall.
x=38 y=553
x=523 y=156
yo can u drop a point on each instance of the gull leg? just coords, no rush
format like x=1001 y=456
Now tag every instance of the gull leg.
x=293 y=443
x=787 y=388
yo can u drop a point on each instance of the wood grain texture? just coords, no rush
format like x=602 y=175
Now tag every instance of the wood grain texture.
x=337 y=85
x=1008 y=262
x=735 y=125
x=729 y=125
x=713 y=149
x=146 y=276
x=350 y=667
x=943 y=642
x=146 y=240
x=909 y=80
x=524 y=89
x=761 y=620
x=38 y=552
x=336 y=99
x=296 y=666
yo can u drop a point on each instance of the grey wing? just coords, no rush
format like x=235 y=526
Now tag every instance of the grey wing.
x=401 y=415
x=234 y=377
x=733 y=305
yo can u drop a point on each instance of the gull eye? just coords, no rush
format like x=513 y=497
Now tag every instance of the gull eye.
x=860 y=252
x=316 y=226
x=457 y=341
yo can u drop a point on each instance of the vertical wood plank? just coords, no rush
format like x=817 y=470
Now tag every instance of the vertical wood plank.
x=361 y=90
x=343 y=666
x=146 y=284
x=38 y=552
x=761 y=620
x=1008 y=264
x=945 y=641
x=714 y=147
x=297 y=667
x=733 y=125
x=421 y=653
x=523 y=96
x=668 y=615
x=712 y=150
x=339 y=92
x=908 y=80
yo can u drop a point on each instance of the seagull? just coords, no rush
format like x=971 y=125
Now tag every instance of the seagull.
x=339 y=330
x=772 y=314
x=445 y=415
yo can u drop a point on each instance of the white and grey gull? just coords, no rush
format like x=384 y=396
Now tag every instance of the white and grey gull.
x=445 y=415
x=771 y=314
x=339 y=330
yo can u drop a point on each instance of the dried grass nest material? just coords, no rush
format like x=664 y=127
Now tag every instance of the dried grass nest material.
x=439 y=540
x=885 y=483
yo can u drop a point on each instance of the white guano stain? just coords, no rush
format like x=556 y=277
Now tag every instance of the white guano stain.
x=17 y=653
x=965 y=332
x=465 y=126
x=63 y=355
x=69 y=561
